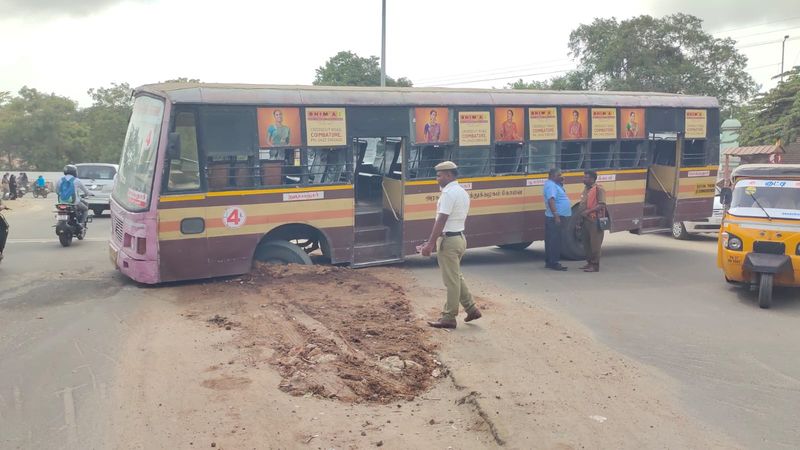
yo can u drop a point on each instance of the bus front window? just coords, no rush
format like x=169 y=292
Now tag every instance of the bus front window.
x=134 y=184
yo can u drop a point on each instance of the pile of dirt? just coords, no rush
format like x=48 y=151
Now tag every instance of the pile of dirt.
x=334 y=332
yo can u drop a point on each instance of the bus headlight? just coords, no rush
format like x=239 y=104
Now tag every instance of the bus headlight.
x=734 y=243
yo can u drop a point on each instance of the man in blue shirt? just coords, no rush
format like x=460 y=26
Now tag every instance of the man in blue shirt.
x=557 y=211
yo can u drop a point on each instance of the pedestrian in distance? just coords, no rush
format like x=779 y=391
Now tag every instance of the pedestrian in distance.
x=4 y=227
x=5 y=186
x=557 y=212
x=12 y=187
x=447 y=237
x=593 y=210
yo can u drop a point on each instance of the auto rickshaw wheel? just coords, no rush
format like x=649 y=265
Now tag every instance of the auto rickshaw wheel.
x=765 y=290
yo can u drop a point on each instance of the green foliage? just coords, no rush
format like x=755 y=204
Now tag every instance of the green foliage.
x=774 y=115
x=349 y=69
x=672 y=54
x=46 y=131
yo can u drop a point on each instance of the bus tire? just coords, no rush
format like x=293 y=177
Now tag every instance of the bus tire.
x=281 y=252
x=571 y=237
x=516 y=247
x=765 y=291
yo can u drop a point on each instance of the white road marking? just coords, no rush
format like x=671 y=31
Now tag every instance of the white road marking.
x=50 y=241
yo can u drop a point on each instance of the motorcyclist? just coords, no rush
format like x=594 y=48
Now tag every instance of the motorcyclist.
x=82 y=208
x=40 y=183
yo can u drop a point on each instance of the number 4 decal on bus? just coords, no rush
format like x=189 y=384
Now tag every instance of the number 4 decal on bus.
x=234 y=217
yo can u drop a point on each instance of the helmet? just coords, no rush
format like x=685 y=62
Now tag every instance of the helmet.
x=69 y=169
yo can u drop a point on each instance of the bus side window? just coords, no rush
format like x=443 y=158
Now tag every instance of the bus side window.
x=229 y=138
x=542 y=156
x=632 y=154
x=184 y=172
x=472 y=161
x=602 y=154
x=694 y=153
x=423 y=159
x=573 y=155
x=327 y=165
x=508 y=158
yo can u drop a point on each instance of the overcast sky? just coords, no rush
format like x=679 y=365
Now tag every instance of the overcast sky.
x=69 y=46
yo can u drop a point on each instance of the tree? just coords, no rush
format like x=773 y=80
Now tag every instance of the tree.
x=672 y=54
x=182 y=80
x=571 y=81
x=349 y=69
x=107 y=120
x=774 y=115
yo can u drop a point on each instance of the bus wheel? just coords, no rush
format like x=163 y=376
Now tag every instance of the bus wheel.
x=281 y=252
x=765 y=291
x=571 y=237
x=518 y=246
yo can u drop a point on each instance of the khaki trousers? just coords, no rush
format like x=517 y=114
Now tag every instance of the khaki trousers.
x=449 y=251
x=592 y=240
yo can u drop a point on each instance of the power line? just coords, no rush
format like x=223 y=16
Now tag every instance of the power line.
x=507 y=73
x=767 y=42
x=506 y=78
x=493 y=71
x=756 y=25
x=767 y=32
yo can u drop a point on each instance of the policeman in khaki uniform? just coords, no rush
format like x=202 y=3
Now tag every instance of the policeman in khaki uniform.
x=593 y=206
x=448 y=237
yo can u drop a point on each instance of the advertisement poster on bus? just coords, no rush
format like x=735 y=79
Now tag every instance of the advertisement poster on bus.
x=543 y=124
x=509 y=124
x=278 y=127
x=574 y=124
x=695 y=127
x=632 y=123
x=604 y=123
x=432 y=125
x=326 y=127
x=474 y=128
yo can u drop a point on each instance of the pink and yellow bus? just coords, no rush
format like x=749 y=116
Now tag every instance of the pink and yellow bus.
x=215 y=176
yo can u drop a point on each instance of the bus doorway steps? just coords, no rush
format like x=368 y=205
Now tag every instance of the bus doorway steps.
x=375 y=253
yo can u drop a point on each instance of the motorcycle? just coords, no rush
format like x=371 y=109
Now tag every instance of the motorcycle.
x=67 y=225
x=21 y=191
x=40 y=191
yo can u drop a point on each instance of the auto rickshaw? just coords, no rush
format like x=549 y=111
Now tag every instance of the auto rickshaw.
x=759 y=240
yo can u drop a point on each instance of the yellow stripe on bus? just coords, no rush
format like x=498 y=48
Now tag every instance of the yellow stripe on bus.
x=188 y=197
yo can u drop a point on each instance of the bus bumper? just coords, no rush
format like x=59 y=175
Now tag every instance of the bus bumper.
x=142 y=271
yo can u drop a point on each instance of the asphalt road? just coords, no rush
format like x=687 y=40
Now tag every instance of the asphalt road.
x=64 y=311
x=62 y=315
x=664 y=302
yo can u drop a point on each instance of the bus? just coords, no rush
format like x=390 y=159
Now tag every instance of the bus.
x=213 y=177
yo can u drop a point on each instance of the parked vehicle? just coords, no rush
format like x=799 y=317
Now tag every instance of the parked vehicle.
x=685 y=229
x=760 y=240
x=99 y=179
x=67 y=224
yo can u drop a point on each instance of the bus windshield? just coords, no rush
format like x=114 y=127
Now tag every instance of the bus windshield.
x=136 y=168
x=776 y=199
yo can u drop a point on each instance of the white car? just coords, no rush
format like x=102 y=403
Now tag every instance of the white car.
x=682 y=230
x=99 y=179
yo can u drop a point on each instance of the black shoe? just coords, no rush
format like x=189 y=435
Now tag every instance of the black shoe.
x=557 y=267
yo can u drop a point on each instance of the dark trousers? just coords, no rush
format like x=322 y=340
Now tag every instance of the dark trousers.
x=552 y=241
x=3 y=232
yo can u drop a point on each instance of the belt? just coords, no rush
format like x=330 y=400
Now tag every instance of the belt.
x=453 y=233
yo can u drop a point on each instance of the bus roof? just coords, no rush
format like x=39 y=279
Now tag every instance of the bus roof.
x=766 y=170
x=396 y=96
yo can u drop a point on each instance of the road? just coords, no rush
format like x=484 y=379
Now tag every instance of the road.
x=663 y=302
x=64 y=315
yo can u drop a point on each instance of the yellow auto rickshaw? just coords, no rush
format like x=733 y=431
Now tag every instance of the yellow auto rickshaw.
x=759 y=240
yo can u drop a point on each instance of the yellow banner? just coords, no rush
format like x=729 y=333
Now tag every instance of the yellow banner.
x=695 y=127
x=604 y=123
x=326 y=127
x=474 y=128
x=543 y=124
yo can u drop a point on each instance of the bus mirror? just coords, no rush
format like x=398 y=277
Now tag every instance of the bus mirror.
x=174 y=146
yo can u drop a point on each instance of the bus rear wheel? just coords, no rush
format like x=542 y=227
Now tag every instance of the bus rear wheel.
x=281 y=252
x=516 y=247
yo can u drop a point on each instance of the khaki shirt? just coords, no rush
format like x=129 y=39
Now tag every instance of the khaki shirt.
x=601 y=197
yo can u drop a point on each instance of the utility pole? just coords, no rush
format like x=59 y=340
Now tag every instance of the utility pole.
x=383 y=46
x=783 y=51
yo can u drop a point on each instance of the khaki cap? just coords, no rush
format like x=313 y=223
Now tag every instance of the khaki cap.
x=446 y=165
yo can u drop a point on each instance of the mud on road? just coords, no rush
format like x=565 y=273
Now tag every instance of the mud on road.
x=334 y=333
